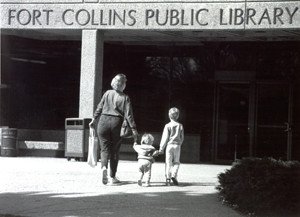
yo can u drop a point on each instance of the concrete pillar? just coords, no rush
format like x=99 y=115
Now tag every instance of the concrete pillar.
x=91 y=72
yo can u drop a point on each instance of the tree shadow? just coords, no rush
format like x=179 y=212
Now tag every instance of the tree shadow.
x=8 y=215
x=161 y=202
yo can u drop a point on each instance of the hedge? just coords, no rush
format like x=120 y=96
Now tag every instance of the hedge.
x=261 y=186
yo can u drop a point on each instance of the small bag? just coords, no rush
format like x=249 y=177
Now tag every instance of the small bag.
x=93 y=148
x=126 y=131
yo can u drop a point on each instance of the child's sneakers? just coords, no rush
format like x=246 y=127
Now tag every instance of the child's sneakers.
x=168 y=182
x=174 y=180
x=140 y=182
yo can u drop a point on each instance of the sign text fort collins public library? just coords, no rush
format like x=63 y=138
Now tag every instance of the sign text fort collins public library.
x=153 y=15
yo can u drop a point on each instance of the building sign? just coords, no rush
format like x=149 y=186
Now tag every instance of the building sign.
x=196 y=16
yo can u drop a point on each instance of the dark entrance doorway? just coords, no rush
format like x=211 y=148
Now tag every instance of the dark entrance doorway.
x=232 y=121
x=273 y=128
x=253 y=119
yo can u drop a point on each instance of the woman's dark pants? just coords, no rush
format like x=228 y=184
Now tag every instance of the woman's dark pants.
x=109 y=136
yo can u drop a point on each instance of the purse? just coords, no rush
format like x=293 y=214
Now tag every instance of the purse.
x=126 y=131
x=93 y=148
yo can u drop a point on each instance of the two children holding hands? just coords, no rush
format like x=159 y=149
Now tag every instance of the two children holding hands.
x=171 y=141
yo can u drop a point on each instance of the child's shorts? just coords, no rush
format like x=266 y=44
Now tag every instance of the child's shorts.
x=144 y=165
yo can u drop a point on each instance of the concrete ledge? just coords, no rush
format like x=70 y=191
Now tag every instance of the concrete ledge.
x=41 y=148
x=44 y=145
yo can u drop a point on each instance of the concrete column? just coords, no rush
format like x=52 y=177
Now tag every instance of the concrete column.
x=91 y=72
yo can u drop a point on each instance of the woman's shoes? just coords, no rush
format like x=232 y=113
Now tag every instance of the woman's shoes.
x=106 y=180
x=104 y=175
x=114 y=181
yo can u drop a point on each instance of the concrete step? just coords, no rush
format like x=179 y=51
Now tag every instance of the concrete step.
x=46 y=145
x=41 y=148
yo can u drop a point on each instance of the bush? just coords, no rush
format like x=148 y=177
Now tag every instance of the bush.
x=259 y=186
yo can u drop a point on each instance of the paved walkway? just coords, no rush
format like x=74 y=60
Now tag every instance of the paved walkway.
x=32 y=186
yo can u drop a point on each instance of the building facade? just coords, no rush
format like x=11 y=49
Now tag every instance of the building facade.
x=231 y=67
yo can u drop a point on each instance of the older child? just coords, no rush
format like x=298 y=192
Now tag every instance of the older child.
x=146 y=152
x=172 y=139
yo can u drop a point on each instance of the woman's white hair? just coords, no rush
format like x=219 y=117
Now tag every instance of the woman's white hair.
x=118 y=82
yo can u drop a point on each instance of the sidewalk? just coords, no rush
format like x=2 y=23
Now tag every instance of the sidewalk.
x=31 y=186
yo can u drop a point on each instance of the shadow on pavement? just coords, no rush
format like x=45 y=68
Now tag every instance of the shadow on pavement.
x=8 y=215
x=147 y=203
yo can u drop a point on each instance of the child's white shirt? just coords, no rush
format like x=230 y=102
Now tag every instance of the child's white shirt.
x=173 y=134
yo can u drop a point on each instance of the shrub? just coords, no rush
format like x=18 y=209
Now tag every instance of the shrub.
x=258 y=186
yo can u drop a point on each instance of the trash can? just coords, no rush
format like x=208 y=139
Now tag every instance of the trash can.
x=1 y=127
x=9 y=138
x=76 y=138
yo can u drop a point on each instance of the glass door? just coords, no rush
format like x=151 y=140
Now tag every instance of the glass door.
x=273 y=111
x=232 y=137
x=253 y=120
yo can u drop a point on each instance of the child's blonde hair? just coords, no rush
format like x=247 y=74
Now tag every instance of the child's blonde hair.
x=118 y=82
x=147 y=136
x=174 y=113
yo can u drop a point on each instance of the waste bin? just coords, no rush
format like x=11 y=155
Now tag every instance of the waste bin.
x=1 y=127
x=9 y=142
x=76 y=138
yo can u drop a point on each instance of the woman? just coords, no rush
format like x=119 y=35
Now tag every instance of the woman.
x=112 y=109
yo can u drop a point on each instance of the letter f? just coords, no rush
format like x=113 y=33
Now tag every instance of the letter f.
x=10 y=16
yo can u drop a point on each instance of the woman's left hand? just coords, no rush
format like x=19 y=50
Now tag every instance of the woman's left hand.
x=92 y=123
x=135 y=135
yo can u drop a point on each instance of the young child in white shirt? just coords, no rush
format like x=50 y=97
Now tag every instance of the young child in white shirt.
x=146 y=153
x=172 y=139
